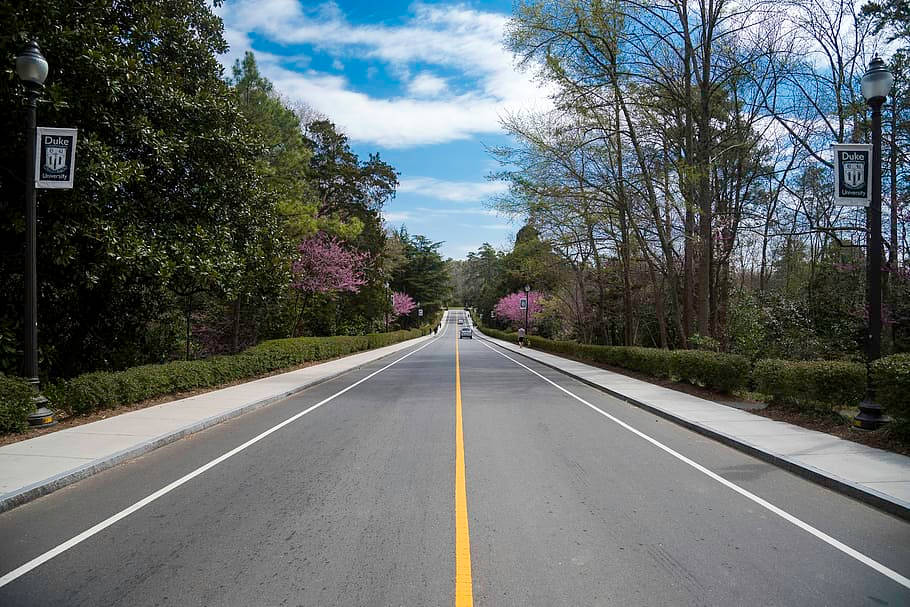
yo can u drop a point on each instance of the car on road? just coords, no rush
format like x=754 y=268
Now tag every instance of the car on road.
x=461 y=321
x=466 y=332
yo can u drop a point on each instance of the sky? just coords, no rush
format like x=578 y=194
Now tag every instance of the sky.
x=424 y=84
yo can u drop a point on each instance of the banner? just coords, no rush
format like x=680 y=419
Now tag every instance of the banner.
x=852 y=174
x=55 y=157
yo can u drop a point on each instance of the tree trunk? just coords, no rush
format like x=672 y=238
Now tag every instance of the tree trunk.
x=624 y=235
x=235 y=326
x=626 y=279
x=893 y=257
x=762 y=283
x=189 y=312
x=689 y=276
x=659 y=308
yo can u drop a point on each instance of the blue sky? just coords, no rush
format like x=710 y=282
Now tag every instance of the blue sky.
x=423 y=84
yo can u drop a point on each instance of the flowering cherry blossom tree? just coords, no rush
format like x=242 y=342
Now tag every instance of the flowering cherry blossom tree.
x=402 y=304
x=326 y=266
x=509 y=308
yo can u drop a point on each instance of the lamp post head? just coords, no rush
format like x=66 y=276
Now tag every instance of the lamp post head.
x=31 y=66
x=527 y=288
x=877 y=81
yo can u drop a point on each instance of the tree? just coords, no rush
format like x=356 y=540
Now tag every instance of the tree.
x=402 y=304
x=325 y=266
x=509 y=308
x=484 y=280
x=345 y=187
x=424 y=274
x=167 y=203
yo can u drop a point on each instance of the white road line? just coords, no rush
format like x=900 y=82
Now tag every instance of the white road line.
x=851 y=552
x=40 y=560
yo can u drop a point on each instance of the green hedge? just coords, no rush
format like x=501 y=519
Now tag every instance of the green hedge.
x=891 y=375
x=714 y=370
x=105 y=390
x=813 y=384
x=15 y=404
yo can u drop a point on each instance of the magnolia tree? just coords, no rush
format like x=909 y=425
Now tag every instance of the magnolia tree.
x=402 y=304
x=326 y=266
x=509 y=308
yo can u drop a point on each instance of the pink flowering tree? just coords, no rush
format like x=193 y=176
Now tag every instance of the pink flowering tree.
x=402 y=304
x=325 y=266
x=509 y=308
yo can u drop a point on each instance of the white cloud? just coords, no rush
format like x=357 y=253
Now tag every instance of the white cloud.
x=458 y=39
x=427 y=85
x=397 y=216
x=458 y=211
x=454 y=191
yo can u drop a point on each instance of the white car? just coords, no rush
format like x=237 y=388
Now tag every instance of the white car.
x=466 y=332
x=461 y=321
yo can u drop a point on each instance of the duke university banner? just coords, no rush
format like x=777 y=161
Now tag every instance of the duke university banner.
x=852 y=174
x=55 y=161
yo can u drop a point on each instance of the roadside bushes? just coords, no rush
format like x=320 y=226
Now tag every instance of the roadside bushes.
x=15 y=404
x=812 y=384
x=713 y=370
x=825 y=384
x=105 y=390
x=818 y=385
x=891 y=375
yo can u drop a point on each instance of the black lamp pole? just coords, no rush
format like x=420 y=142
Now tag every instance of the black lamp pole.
x=32 y=70
x=527 y=309
x=391 y=303
x=876 y=85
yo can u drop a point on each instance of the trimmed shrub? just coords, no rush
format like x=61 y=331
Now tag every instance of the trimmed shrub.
x=141 y=383
x=891 y=375
x=102 y=389
x=15 y=404
x=714 y=370
x=813 y=384
x=91 y=391
x=186 y=375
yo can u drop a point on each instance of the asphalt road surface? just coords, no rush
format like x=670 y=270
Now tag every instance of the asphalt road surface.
x=450 y=479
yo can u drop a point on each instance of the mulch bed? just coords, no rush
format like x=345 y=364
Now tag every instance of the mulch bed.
x=838 y=425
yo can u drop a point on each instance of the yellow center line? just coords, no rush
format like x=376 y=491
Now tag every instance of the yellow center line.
x=464 y=591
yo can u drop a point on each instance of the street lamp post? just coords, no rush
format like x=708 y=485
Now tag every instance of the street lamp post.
x=876 y=85
x=31 y=67
x=391 y=303
x=527 y=308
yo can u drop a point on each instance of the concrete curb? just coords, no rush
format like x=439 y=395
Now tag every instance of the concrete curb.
x=861 y=493
x=31 y=492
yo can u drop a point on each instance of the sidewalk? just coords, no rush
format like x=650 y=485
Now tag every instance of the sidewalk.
x=35 y=467
x=877 y=477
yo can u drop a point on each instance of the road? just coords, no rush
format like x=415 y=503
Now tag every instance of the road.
x=450 y=474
